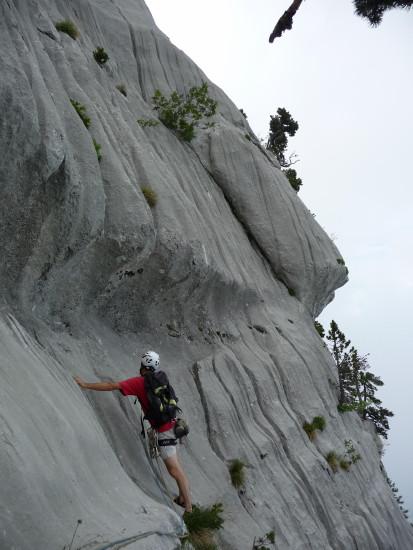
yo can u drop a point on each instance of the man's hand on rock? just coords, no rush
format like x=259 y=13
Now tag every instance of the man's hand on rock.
x=81 y=382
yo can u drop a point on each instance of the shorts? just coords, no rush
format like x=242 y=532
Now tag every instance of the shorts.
x=167 y=450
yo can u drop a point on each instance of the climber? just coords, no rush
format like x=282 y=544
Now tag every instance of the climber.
x=136 y=386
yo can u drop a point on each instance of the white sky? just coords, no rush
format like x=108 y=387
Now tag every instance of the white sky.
x=350 y=87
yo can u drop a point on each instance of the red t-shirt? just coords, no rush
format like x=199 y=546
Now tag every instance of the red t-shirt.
x=136 y=386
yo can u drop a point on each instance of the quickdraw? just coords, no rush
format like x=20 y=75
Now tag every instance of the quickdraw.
x=153 y=443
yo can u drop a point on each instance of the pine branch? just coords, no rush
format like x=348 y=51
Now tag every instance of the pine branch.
x=285 y=22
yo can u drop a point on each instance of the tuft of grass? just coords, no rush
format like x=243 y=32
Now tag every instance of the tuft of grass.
x=319 y=423
x=332 y=460
x=247 y=136
x=341 y=261
x=101 y=57
x=204 y=518
x=81 y=111
x=309 y=430
x=351 y=452
x=122 y=89
x=68 y=27
x=98 y=148
x=237 y=472
x=150 y=196
x=345 y=464
x=291 y=291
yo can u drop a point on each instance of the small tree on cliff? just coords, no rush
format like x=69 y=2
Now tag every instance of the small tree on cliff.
x=357 y=386
x=370 y=405
x=339 y=347
x=398 y=498
x=295 y=182
x=283 y=125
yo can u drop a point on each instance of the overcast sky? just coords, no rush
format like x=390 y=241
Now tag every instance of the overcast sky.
x=350 y=87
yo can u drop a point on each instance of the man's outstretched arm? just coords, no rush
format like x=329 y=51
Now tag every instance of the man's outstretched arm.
x=97 y=386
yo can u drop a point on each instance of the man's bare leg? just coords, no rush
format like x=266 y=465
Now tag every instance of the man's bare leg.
x=175 y=470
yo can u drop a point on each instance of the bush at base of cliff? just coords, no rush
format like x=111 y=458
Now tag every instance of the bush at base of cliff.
x=201 y=523
x=204 y=518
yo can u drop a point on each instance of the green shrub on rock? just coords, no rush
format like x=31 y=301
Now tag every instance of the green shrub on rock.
x=81 y=111
x=294 y=180
x=122 y=89
x=201 y=524
x=68 y=27
x=309 y=430
x=237 y=472
x=184 y=114
x=150 y=196
x=98 y=148
x=203 y=517
x=344 y=464
x=319 y=423
x=332 y=460
x=101 y=57
x=351 y=452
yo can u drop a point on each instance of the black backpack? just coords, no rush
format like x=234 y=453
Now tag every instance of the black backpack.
x=162 y=399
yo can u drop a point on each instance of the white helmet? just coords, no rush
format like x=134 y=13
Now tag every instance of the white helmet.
x=150 y=359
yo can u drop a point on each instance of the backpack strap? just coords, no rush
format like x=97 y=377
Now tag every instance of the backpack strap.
x=142 y=426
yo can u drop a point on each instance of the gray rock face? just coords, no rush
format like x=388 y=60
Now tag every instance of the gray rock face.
x=223 y=277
